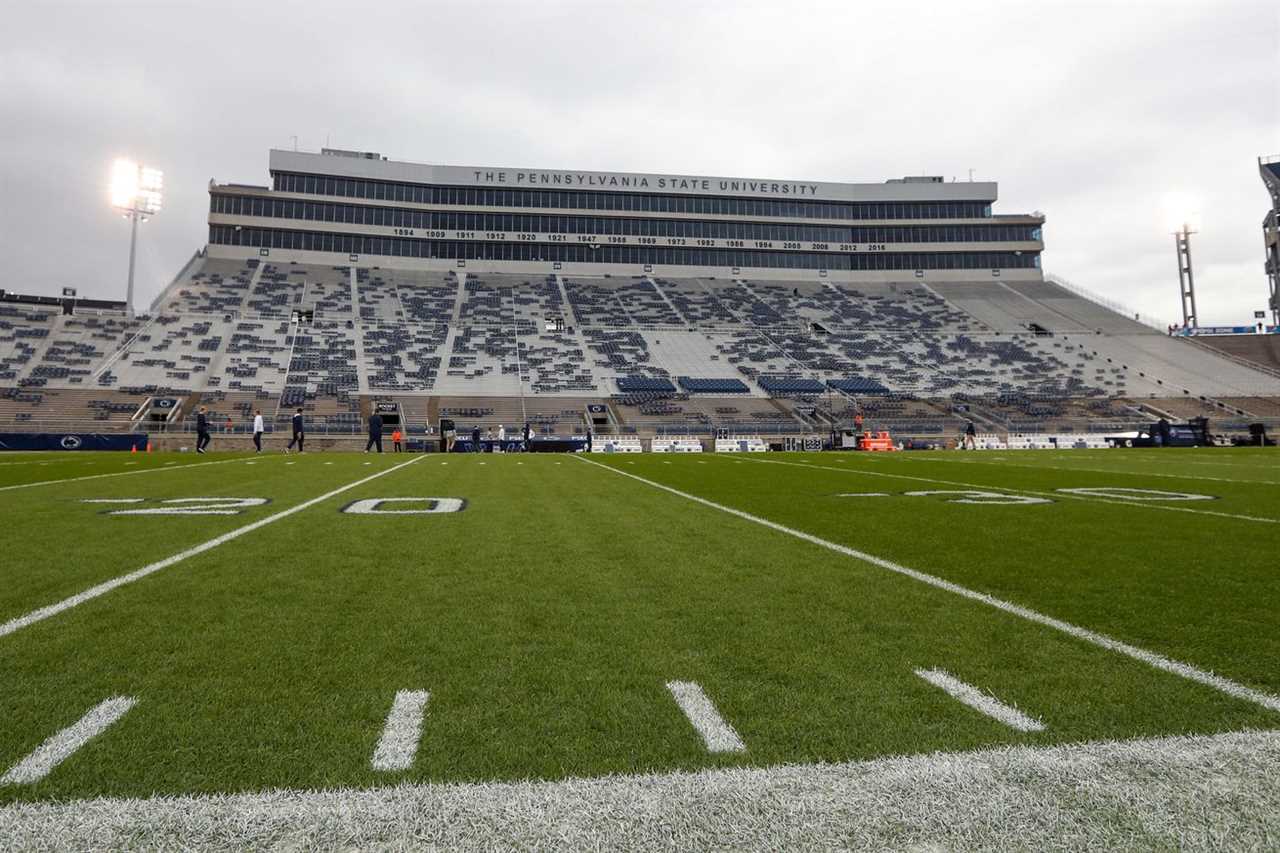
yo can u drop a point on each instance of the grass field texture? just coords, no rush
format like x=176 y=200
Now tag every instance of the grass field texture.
x=547 y=614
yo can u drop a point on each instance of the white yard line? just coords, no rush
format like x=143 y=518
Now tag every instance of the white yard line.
x=1066 y=495
x=61 y=746
x=1199 y=792
x=103 y=588
x=116 y=474
x=398 y=745
x=718 y=735
x=979 y=701
x=1152 y=659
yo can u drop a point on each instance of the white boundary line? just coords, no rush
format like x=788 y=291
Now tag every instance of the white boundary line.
x=1152 y=659
x=979 y=701
x=398 y=745
x=103 y=588
x=1146 y=504
x=116 y=474
x=1209 y=792
x=63 y=745
x=718 y=735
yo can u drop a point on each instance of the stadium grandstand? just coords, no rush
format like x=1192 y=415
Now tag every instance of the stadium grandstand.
x=631 y=304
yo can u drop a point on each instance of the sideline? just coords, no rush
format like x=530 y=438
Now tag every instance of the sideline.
x=1189 y=792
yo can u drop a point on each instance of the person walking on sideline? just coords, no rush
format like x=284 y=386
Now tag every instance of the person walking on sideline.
x=502 y=437
x=475 y=439
x=202 y=429
x=298 y=434
x=970 y=437
x=527 y=433
x=258 y=429
x=395 y=440
x=375 y=432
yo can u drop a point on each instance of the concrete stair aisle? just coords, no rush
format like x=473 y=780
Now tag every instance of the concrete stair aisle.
x=362 y=369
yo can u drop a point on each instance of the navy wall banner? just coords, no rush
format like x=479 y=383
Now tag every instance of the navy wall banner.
x=72 y=441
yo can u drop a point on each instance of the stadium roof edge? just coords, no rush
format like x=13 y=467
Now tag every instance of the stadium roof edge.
x=572 y=179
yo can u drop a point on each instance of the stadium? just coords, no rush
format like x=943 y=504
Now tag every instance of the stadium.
x=723 y=512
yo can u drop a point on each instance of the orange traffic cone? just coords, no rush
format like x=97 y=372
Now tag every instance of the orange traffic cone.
x=133 y=449
x=148 y=446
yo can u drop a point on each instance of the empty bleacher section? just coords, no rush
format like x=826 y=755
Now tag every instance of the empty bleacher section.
x=1000 y=309
x=276 y=292
x=1260 y=350
x=676 y=355
x=171 y=350
x=594 y=302
x=694 y=302
x=1077 y=309
x=55 y=410
x=326 y=290
x=256 y=356
x=218 y=287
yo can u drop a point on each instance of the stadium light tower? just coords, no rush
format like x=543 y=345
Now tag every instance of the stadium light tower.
x=137 y=191
x=1181 y=214
x=1186 y=281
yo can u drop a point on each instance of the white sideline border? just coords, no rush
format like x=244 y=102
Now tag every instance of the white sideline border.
x=1262 y=519
x=61 y=746
x=969 y=695
x=701 y=712
x=1152 y=659
x=1187 y=792
x=103 y=588
x=398 y=746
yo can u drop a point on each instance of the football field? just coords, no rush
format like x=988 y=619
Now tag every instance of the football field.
x=173 y=625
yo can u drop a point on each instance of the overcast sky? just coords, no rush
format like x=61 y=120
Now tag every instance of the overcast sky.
x=1100 y=115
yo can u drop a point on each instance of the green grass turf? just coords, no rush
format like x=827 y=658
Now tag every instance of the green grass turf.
x=546 y=617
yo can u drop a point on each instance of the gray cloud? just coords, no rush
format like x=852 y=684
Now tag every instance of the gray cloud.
x=1090 y=112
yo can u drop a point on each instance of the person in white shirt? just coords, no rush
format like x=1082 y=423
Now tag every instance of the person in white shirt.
x=258 y=429
x=502 y=436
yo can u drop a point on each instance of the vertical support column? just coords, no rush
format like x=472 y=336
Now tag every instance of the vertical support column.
x=1271 y=244
x=1186 y=280
x=133 y=252
x=1269 y=169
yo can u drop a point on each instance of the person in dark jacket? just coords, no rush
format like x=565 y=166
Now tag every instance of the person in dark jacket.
x=970 y=437
x=1163 y=432
x=202 y=430
x=589 y=437
x=298 y=434
x=475 y=439
x=527 y=433
x=375 y=432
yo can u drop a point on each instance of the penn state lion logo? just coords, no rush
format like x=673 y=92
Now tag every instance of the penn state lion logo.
x=70 y=442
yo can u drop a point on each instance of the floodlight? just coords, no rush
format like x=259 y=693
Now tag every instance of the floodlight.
x=124 y=183
x=136 y=188
x=1181 y=212
x=137 y=191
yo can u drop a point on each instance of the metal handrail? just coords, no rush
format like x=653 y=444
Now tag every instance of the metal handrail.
x=1110 y=304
